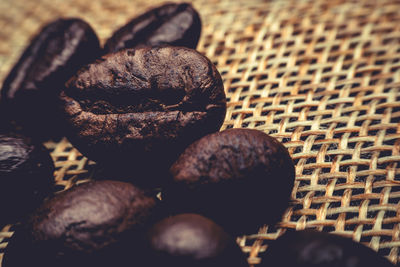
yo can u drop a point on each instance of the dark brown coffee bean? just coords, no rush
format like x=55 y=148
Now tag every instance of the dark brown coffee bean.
x=138 y=109
x=240 y=178
x=172 y=24
x=93 y=224
x=30 y=90
x=310 y=248
x=26 y=176
x=191 y=240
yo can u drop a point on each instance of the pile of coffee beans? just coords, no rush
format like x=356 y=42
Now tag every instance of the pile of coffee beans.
x=147 y=108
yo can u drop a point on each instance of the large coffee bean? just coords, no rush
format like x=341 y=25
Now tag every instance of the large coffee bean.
x=93 y=224
x=191 y=240
x=138 y=109
x=172 y=24
x=240 y=178
x=310 y=248
x=30 y=90
x=26 y=176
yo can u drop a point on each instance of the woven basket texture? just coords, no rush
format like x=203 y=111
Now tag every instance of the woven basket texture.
x=321 y=76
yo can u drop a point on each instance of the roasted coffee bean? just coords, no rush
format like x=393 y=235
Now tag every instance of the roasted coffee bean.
x=310 y=248
x=30 y=90
x=191 y=240
x=138 y=109
x=240 y=178
x=172 y=24
x=26 y=176
x=93 y=224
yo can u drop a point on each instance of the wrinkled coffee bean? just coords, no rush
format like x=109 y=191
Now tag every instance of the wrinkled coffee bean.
x=30 y=90
x=93 y=224
x=138 y=109
x=172 y=24
x=26 y=176
x=310 y=248
x=191 y=240
x=240 y=178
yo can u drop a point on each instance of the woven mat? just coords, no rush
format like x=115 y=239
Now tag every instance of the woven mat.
x=321 y=76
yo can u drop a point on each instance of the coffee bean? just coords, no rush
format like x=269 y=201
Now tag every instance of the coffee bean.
x=191 y=240
x=30 y=90
x=93 y=224
x=317 y=249
x=139 y=108
x=173 y=24
x=240 y=178
x=26 y=176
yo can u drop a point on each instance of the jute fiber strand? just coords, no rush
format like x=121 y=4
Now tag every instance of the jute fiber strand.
x=321 y=76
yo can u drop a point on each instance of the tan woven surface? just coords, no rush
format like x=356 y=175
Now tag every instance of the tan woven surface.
x=321 y=76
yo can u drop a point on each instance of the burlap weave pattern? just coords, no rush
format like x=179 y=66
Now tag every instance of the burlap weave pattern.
x=321 y=76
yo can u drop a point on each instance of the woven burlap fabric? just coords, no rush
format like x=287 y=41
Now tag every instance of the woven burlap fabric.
x=321 y=76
